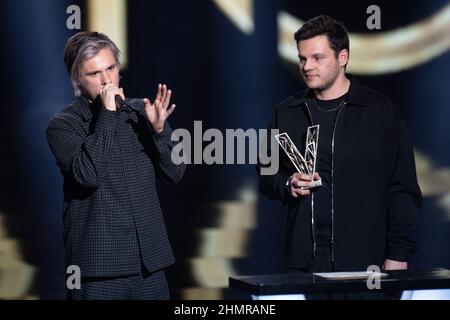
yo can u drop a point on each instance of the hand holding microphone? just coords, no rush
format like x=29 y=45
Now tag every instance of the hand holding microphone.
x=121 y=104
x=112 y=97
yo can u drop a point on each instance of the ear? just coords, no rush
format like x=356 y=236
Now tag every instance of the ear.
x=343 y=58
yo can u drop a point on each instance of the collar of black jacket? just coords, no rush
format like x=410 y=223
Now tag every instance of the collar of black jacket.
x=88 y=108
x=355 y=95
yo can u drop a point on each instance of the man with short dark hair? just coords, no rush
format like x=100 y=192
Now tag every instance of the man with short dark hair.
x=364 y=212
x=111 y=150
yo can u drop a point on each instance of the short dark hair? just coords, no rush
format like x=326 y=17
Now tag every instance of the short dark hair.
x=335 y=31
x=83 y=46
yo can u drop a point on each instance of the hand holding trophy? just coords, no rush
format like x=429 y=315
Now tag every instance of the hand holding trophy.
x=306 y=164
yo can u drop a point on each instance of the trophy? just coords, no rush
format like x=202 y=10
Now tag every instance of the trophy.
x=306 y=164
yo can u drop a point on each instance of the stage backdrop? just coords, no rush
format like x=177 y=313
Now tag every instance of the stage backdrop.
x=229 y=63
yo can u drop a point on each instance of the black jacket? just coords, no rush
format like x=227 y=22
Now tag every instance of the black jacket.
x=110 y=162
x=376 y=197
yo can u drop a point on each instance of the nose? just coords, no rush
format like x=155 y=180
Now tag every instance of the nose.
x=105 y=79
x=306 y=65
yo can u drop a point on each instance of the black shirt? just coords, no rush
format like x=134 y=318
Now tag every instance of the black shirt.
x=324 y=113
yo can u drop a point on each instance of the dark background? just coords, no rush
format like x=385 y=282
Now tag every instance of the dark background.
x=221 y=76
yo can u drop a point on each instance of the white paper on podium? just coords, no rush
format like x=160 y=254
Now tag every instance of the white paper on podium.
x=350 y=275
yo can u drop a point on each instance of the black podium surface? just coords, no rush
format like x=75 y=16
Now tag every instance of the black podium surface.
x=292 y=283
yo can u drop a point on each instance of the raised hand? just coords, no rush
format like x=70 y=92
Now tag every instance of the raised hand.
x=158 y=111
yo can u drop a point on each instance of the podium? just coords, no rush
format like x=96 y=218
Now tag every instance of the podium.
x=295 y=285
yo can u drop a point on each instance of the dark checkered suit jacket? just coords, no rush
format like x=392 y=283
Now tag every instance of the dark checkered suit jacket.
x=110 y=162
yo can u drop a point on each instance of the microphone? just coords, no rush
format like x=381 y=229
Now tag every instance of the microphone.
x=121 y=104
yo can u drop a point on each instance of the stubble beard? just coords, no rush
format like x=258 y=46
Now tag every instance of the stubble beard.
x=327 y=83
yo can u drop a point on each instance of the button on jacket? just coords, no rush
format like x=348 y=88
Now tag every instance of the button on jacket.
x=110 y=162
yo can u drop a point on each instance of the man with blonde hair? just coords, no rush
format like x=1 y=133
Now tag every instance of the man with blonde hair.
x=111 y=150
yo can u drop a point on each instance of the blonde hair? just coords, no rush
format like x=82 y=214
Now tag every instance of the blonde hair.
x=83 y=46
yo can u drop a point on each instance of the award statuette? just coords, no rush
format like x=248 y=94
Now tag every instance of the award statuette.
x=307 y=164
